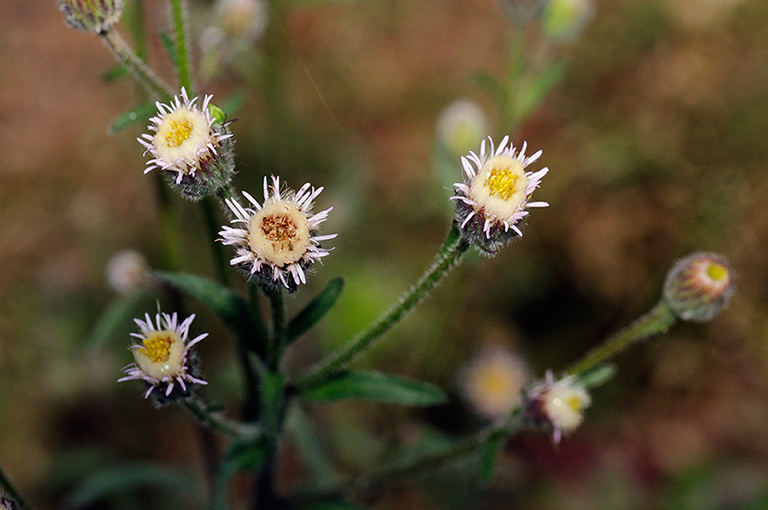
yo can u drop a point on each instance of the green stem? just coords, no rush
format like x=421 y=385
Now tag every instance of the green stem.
x=138 y=69
x=168 y=224
x=179 y=15
x=446 y=259
x=421 y=465
x=218 y=423
x=12 y=493
x=658 y=320
x=212 y=224
x=277 y=339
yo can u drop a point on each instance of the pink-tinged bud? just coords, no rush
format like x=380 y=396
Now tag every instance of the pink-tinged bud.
x=699 y=286
x=96 y=16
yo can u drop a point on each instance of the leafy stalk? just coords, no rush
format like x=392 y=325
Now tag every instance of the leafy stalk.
x=179 y=15
x=215 y=421
x=446 y=259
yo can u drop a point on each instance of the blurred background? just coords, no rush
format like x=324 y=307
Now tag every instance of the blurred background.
x=656 y=137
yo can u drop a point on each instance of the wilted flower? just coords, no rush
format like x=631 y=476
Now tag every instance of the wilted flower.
x=163 y=359
x=96 y=16
x=558 y=405
x=493 y=381
x=494 y=196
x=126 y=271
x=278 y=240
x=461 y=125
x=564 y=20
x=699 y=286
x=191 y=146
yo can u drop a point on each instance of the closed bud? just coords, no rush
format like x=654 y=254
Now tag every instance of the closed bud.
x=699 y=286
x=96 y=16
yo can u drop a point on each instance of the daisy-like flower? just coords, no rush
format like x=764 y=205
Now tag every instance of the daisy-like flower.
x=163 y=359
x=495 y=194
x=190 y=145
x=278 y=239
x=699 y=286
x=96 y=16
x=493 y=381
x=558 y=405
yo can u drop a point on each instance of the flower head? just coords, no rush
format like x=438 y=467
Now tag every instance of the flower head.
x=242 y=19
x=126 y=271
x=558 y=405
x=190 y=145
x=699 y=286
x=278 y=239
x=91 y=15
x=493 y=381
x=494 y=195
x=163 y=359
x=461 y=125
x=564 y=20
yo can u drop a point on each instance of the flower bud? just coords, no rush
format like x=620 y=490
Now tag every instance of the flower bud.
x=96 y=16
x=557 y=405
x=461 y=126
x=699 y=286
x=564 y=20
x=126 y=271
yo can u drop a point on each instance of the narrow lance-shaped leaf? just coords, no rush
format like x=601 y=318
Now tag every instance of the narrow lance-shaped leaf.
x=314 y=311
x=231 y=308
x=488 y=456
x=128 y=477
x=377 y=386
x=142 y=113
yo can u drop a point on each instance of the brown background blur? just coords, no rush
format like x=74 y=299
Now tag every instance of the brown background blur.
x=656 y=140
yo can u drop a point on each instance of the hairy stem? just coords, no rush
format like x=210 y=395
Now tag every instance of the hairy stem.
x=445 y=260
x=135 y=65
x=215 y=421
x=179 y=15
x=658 y=320
x=277 y=339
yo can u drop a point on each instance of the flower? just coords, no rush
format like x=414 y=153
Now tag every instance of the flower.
x=163 y=359
x=558 y=405
x=493 y=381
x=91 y=15
x=126 y=271
x=699 y=286
x=494 y=196
x=278 y=241
x=242 y=19
x=461 y=125
x=191 y=145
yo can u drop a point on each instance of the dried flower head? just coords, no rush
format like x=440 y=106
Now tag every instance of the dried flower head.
x=565 y=20
x=96 y=16
x=163 y=358
x=493 y=381
x=495 y=194
x=699 y=286
x=557 y=405
x=126 y=271
x=191 y=146
x=461 y=126
x=278 y=240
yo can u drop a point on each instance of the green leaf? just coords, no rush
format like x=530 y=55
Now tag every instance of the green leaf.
x=242 y=456
x=129 y=477
x=115 y=317
x=116 y=72
x=142 y=113
x=531 y=97
x=311 y=447
x=231 y=308
x=170 y=48
x=314 y=311
x=377 y=386
x=491 y=85
x=488 y=456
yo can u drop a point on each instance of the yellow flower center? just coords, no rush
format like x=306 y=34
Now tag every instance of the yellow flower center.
x=158 y=346
x=279 y=233
x=575 y=402
x=502 y=183
x=717 y=272
x=494 y=383
x=178 y=132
